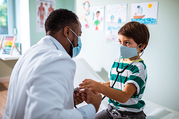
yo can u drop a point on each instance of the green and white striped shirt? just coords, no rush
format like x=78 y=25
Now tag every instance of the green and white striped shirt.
x=135 y=74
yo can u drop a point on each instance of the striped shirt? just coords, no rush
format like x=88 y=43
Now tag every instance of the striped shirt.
x=135 y=74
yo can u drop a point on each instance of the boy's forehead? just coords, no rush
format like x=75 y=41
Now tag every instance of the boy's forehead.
x=121 y=37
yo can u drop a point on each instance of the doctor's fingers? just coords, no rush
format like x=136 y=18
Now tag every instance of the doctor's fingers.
x=84 y=96
x=94 y=99
x=78 y=100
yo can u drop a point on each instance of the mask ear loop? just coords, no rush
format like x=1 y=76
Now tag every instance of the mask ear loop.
x=141 y=47
x=70 y=41
x=73 y=32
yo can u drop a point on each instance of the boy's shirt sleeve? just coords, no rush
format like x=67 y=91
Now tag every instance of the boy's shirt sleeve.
x=138 y=78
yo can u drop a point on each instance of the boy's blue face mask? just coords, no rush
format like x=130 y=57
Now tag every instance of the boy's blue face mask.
x=76 y=50
x=128 y=52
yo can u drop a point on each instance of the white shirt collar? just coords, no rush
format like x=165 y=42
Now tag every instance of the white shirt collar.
x=56 y=43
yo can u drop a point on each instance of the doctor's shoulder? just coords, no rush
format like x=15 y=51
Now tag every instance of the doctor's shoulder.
x=57 y=55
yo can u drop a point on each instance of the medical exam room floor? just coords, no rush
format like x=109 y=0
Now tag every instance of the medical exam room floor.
x=3 y=97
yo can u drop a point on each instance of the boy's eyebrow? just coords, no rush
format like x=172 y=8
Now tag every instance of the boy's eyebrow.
x=124 y=39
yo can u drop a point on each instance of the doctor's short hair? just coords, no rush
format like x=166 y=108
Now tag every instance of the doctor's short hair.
x=139 y=32
x=58 y=19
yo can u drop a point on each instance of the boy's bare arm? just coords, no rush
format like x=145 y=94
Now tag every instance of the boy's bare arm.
x=105 y=89
x=120 y=96
x=106 y=83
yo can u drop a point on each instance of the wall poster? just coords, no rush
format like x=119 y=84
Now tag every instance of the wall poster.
x=43 y=9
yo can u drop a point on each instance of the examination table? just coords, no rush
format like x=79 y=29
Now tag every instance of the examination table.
x=152 y=110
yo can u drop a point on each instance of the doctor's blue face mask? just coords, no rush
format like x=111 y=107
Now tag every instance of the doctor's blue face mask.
x=76 y=50
x=128 y=52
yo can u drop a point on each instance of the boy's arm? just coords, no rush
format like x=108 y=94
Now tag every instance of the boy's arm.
x=120 y=96
x=106 y=83
x=105 y=89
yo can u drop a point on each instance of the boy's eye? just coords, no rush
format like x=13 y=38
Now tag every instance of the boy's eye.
x=127 y=43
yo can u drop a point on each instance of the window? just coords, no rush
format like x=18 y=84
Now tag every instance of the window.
x=3 y=17
x=7 y=17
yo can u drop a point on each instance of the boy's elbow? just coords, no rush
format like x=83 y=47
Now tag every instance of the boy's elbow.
x=124 y=100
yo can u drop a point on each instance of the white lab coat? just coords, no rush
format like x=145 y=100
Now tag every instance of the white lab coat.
x=41 y=85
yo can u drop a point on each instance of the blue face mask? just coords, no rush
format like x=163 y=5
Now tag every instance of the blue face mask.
x=128 y=52
x=76 y=50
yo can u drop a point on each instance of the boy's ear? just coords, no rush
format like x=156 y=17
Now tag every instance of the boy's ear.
x=142 y=46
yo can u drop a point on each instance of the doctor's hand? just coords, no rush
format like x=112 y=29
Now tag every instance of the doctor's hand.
x=91 y=85
x=77 y=98
x=91 y=98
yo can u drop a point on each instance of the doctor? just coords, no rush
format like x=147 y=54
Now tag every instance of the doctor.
x=41 y=84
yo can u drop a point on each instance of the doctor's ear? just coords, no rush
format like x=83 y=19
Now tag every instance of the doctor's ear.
x=66 y=31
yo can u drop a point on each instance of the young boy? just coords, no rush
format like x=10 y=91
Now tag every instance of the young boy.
x=125 y=96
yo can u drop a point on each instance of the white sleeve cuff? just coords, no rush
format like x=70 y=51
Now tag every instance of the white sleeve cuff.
x=88 y=111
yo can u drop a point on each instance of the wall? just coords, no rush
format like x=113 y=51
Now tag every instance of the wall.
x=6 y=67
x=160 y=56
x=34 y=35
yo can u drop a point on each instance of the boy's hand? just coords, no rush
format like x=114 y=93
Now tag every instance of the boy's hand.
x=91 y=85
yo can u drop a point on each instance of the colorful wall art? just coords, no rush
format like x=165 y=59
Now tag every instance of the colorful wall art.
x=144 y=12
x=86 y=13
x=98 y=18
x=116 y=13
x=112 y=33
